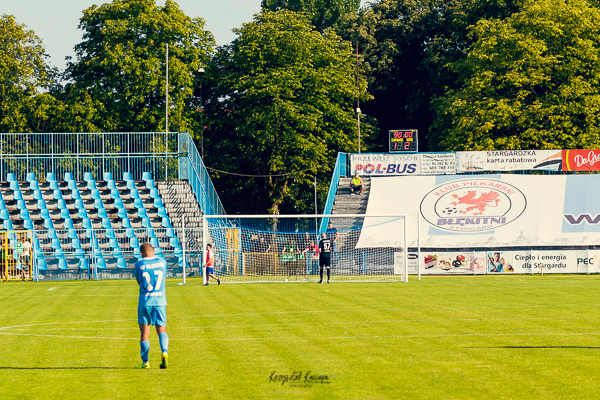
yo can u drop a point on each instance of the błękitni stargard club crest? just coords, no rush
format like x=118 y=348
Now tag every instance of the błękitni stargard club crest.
x=473 y=205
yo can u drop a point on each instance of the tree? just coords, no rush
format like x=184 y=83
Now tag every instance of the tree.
x=324 y=13
x=531 y=81
x=281 y=101
x=121 y=65
x=406 y=47
x=23 y=71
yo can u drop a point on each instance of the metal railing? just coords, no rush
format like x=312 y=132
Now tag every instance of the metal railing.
x=191 y=167
x=340 y=169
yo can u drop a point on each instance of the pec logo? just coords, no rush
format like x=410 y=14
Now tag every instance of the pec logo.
x=587 y=261
x=473 y=205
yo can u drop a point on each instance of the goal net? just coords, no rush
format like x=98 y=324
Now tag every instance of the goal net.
x=272 y=248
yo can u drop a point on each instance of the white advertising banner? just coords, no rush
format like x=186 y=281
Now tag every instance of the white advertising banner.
x=488 y=211
x=403 y=164
x=507 y=262
x=508 y=160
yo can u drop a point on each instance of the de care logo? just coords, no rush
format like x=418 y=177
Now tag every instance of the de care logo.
x=473 y=205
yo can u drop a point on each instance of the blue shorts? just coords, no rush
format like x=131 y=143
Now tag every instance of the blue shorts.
x=210 y=270
x=156 y=315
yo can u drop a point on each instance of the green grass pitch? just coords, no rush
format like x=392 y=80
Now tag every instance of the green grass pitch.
x=484 y=337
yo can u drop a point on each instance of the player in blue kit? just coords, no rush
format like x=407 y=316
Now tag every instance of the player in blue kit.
x=151 y=273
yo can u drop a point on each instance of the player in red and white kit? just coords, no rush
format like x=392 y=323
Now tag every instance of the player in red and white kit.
x=210 y=263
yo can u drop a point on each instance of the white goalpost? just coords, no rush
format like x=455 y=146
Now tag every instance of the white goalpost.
x=276 y=248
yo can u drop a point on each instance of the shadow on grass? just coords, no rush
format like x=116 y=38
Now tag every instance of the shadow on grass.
x=65 y=368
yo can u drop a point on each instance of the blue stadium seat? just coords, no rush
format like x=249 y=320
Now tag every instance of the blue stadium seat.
x=76 y=243
x=37 y=195
x=7 y=224
x=95 y=193
x=110 y=233
x=146 y=223
x=170 y=232
x=84 y=264
x=50 y=177
x=141 y=212
x=28 y=224
x=53 y=185
x=86 y=223
x=57 y=195
x=69 y=177
x=125 y=223
x=173 y=242
x=118 y=203
x=150 y=185
x=134 y=242
x=154 y=194
x=10 y=177
x=30 y=177
x=64 y=213
x=41 y=204
x=14 y=185
x=79 y=204
x=121 y=263
x=17 y=195
x=107 y=176
x=34 y=185
x=158 y=251
x=136 y=252
x=158 y=203
x=91 y=185
x=114 y=194
x=122 y=213
x=87 y=176
x=62 y=263
x=61 y=204
x=100 y=262
x=98 y=204
x=138 y=203
x=117 y=252
x=75 y=194
x=151 y=233
x=162 y=212
x=130 y=233
x=2 y=204
x=44 y=213
x=89 y=233
x=82 y=213
x=41 y=264
x=127 y=176
x=51 y=232
x=146 y=176
x=4 y=214
x=71 y=185
x=21 y=205
x=154 y=242
x=111 y=185
x=69 y=223
x=24 y=213
x=72 y=234
x=102 y=213
x=130 y=185
x=134 y=193
x=106 y=224
x=55 y=244
x=166 y=223
x=113 y=243
x=48 y=223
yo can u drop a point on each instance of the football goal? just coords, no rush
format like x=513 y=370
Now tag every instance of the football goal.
x=270 y=248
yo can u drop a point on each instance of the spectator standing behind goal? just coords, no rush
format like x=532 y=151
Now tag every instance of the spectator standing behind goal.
x=151 y=273
x=356 y=184
x=209 y=265
x=325 y=246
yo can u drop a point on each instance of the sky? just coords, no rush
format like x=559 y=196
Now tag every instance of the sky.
x=55 y=21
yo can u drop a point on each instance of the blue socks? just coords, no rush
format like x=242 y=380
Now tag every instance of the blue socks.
x=164 y=342
x=144 y=349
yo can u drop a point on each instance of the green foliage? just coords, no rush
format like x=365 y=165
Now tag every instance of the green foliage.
x=281 y=100
x=121 y=65
x=406 y=47
x=531 y=81
x=23 y=71
x=324 y=13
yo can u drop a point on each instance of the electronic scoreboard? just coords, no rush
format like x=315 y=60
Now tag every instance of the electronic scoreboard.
x=404 y=141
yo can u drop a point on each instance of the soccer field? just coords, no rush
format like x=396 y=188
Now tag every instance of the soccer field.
x=442 y=338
